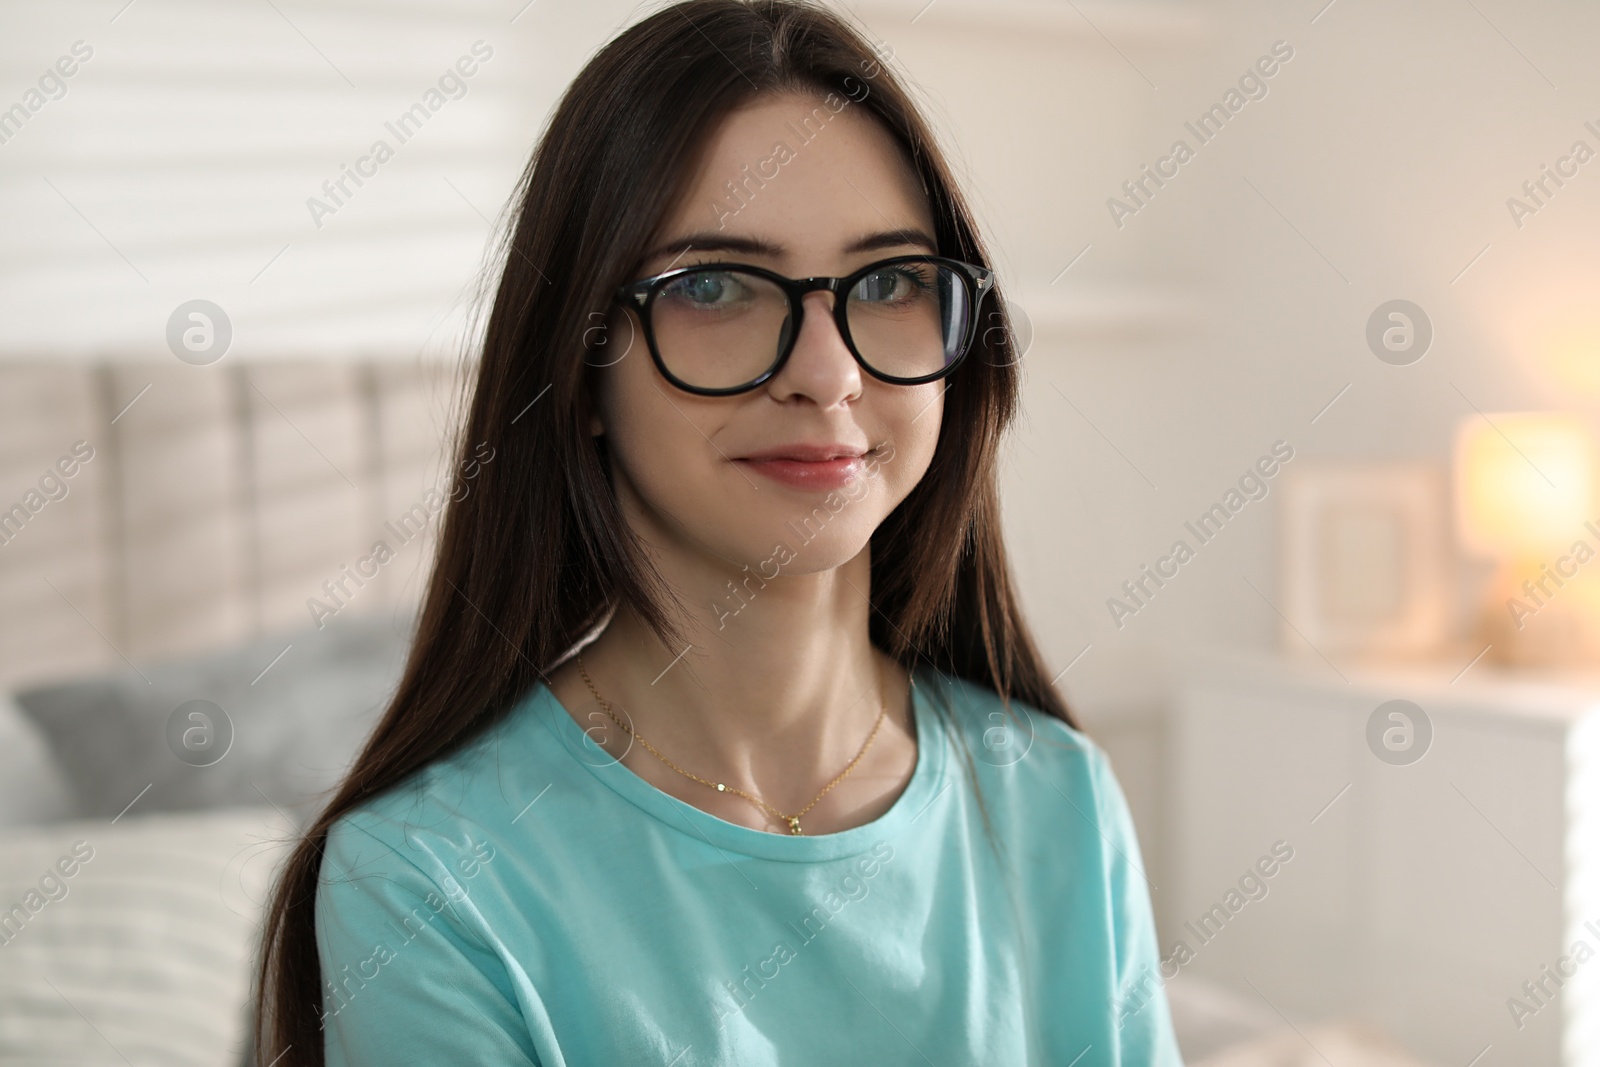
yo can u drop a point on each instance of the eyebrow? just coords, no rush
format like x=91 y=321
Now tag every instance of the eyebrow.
x=712 y=241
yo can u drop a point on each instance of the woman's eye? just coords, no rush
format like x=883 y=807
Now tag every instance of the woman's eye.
x=888 y=285
x=705 y=289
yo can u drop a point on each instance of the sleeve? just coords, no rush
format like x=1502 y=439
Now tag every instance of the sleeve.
x=1143 y=1019
x=404 y=980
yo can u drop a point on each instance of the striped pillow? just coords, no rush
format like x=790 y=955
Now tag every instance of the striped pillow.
x=133 y=942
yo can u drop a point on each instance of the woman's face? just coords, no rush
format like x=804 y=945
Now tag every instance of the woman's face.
x=727 y=478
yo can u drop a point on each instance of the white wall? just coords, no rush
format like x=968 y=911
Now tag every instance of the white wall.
x=1377 y=166
x=180 y=161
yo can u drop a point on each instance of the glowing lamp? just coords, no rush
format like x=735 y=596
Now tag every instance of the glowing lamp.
x=1524 y=483
x=1525 y=496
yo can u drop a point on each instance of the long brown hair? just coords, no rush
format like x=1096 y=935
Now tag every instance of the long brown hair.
x=536 y=554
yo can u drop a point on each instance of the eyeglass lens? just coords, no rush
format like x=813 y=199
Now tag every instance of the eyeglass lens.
x=723 y=328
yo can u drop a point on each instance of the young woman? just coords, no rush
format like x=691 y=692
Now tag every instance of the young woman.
x=722 y=740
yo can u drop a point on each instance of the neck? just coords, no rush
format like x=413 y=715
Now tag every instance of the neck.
x=779 y=684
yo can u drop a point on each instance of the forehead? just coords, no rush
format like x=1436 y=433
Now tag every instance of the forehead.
x=804 y=175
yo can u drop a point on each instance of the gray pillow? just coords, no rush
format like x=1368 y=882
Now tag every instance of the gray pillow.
x=295 y=728
x=32 y=788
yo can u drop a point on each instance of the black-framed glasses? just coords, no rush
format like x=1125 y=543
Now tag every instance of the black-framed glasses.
x=722 y=328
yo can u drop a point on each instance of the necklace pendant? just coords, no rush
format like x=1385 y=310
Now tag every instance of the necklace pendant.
x=794 y=825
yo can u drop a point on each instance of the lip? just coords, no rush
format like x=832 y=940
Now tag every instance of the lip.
x=807 y=453
x=816 y=467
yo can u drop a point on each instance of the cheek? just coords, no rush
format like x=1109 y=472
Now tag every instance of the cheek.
x=912 y=420
x=657 y=437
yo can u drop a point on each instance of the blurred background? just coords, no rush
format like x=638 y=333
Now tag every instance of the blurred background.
x=1302 y=502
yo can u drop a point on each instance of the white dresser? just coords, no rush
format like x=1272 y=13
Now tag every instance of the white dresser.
x=1421 y=896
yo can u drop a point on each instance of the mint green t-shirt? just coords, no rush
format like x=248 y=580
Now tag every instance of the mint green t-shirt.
x=529 y=900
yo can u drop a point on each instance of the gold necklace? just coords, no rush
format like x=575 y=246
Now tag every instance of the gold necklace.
x=792 y=820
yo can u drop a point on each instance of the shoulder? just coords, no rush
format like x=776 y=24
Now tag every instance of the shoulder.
x=439 y=825
x=409 y=875
x=1005 y=732
x=1018 y=751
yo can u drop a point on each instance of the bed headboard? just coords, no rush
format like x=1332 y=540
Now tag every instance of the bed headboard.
x=150 y=510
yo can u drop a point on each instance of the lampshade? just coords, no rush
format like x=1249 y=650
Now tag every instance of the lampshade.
x=1525 y=482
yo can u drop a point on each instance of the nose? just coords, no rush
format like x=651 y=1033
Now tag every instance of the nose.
x=820 y=368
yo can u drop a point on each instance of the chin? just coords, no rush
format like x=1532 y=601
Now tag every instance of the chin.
x=788 y=540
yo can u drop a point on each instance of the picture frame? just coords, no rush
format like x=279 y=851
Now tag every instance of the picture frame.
x=1366 y=557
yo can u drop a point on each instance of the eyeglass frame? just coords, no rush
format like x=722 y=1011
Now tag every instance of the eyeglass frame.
x=639 y=297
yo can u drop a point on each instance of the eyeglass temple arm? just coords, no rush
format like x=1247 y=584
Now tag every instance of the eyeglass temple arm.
x=982 y=277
